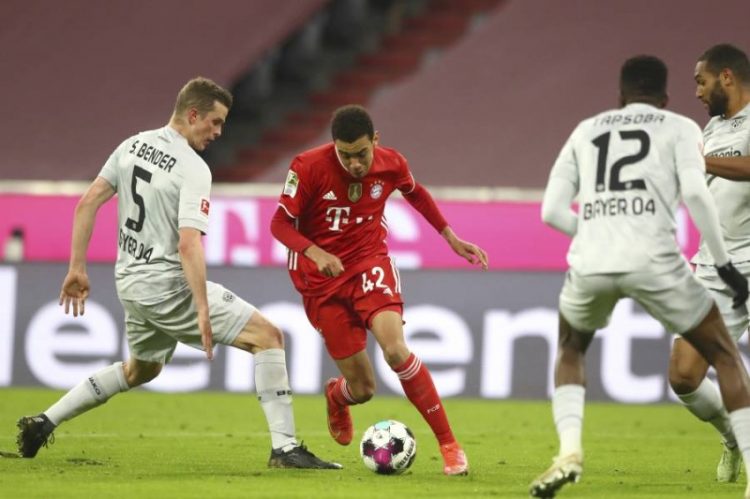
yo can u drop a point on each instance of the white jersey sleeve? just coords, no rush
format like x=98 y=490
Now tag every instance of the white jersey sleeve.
x=561 y=190
x=195 y=199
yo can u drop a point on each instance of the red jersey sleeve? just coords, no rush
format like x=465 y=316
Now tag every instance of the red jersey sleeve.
x=294 y=196
x=283 y=229
x=405 y=180
x=419 y=197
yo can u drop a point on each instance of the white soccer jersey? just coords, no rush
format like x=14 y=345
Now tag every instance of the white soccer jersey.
x=162 y=185
x=624 y=165
x=729 y=137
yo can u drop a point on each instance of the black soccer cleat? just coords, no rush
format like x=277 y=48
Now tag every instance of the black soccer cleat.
x=299 y=457
x=33 y=433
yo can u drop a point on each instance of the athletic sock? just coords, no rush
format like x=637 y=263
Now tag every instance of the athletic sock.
x=741 y=426
x=567 y=410
x=705 y=403
x=420 y=390
x=341 y=393
x=89 y=393
x=272 y=385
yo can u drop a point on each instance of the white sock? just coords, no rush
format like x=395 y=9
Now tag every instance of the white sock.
x=272 y=385
x=741 y=426
x=705 y=403
x=89 y=393
x=567 y=409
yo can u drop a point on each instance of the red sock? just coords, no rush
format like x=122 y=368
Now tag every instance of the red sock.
x=419 y=388
x=341 y=394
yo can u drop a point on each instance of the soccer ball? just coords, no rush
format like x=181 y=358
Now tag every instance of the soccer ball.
x=388 y=447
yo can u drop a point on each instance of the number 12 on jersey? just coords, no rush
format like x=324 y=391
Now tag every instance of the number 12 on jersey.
x=618 y=205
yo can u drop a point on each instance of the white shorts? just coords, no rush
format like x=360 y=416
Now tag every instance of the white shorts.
x=153 y=330
x=672 y=295
x=736 y=319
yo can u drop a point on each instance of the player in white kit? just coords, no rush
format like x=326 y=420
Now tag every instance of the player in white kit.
x=163 y=189
x=630 y=167
x=722 y=75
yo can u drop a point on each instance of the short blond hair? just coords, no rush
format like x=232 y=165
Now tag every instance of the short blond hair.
x=201 y=93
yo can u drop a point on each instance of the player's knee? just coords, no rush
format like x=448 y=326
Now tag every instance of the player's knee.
x=273 y=337
x=395 y=355
x=684 y=377
x=138 y=374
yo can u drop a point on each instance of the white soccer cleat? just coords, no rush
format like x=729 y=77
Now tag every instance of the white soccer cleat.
x=730 y=464
x=567 y=469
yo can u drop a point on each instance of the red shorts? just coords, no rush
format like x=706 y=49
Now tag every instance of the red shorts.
x=343 y=316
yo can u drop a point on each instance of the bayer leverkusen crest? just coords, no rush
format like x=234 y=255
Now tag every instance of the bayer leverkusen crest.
x=355 y=191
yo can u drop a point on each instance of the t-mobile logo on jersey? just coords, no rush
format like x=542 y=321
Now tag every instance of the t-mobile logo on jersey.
x=337 y=215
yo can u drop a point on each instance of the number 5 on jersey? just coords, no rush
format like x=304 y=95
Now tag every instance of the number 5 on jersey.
x=145 y=175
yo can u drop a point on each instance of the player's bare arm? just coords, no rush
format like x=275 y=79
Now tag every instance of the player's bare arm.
x=731 y=168
x=75 y=287
x=194 y=265
x=470 y=251
x=328 y=264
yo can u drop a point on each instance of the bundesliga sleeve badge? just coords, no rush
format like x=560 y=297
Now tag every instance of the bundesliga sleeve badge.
x=290 y=186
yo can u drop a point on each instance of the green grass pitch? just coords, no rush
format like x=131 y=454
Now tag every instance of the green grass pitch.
x=215 y=445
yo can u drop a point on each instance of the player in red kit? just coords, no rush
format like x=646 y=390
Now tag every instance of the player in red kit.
x=331 y=218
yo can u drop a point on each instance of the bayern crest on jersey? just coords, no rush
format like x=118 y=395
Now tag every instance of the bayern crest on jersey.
x=376 y=190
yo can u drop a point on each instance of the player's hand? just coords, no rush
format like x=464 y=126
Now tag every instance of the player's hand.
x=471 y=252
x=736 y=281
x=75 y=290
x=204 y=326
x=329 y=265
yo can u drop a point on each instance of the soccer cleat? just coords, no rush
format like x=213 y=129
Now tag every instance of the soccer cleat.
x=299 y=457
x=339 y=418
x=33 y=433
x=454 y=459
x=563 y=470
x=730 y=464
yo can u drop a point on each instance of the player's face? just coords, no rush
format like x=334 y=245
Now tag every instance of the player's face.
x=709 y=90
x=356 y=157
x=206 y=128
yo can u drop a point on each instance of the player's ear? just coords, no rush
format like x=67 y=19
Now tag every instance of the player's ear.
x=192 y=115
x=375 y=138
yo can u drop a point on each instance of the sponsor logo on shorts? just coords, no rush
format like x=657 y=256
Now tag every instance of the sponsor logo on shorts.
x=204 y=206
x=228 y=297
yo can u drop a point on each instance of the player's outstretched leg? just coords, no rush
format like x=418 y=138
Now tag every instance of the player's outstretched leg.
x=699 y=395
x=568 y=402
x=33 y=433
x=338 y=399
x=36 y=431
x=299 y=457
x=420 y=390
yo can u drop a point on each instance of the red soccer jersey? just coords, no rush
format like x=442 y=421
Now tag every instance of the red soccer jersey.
x=341 y=214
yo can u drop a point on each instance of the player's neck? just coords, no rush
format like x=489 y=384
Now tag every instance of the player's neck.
x=178 y=125
x=737 y=104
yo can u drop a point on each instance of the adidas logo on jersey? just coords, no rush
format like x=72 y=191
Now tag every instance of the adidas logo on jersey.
x=330 y=196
